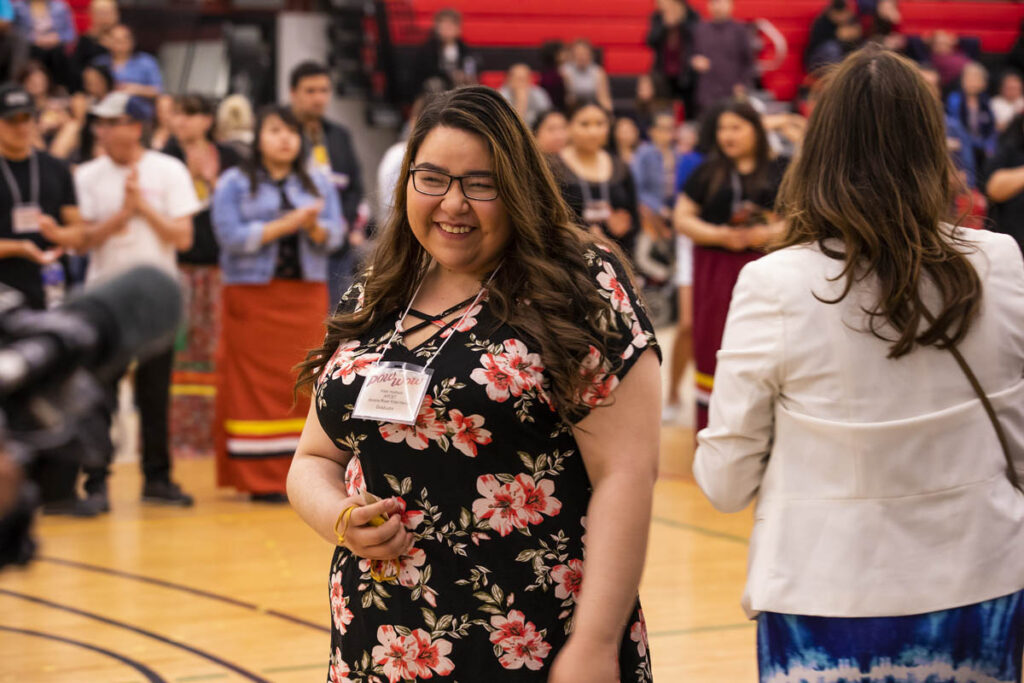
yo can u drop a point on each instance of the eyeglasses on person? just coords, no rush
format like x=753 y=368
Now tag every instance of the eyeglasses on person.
x=476 y=186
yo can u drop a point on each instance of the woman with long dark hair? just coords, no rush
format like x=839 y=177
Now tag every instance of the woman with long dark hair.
x=727 y=210
x=275 y=223
x=870 y=395
x=493 y=378
x=597 y=184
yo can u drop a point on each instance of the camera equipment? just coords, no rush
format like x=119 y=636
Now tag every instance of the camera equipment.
x=51 y=366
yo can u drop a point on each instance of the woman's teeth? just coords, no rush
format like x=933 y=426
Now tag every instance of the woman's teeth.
x=455 y=229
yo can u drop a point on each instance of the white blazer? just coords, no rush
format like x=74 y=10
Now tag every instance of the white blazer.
x=881 y=486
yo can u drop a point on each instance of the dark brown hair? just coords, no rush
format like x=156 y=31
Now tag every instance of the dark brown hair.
x=718 y=165
x=874 y=174
x=544 y=287
x=254 y=168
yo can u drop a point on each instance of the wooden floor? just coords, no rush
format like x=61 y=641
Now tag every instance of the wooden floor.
x=234 y=591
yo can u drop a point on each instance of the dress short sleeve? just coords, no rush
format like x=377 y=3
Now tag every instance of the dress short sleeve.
x=630 y=331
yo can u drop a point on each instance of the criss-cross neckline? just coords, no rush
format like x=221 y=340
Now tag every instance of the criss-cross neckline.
x=436 y=320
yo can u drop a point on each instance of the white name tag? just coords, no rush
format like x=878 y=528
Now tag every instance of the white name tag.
x=25 y=219
x=393 y=392
x=597 y=212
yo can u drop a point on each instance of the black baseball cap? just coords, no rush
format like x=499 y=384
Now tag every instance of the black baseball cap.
x=15 y=100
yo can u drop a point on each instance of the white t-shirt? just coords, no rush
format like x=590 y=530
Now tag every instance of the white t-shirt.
x=165 y=184
x=387 y=178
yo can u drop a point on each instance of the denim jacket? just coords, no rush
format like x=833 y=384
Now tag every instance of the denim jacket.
x=239 y=216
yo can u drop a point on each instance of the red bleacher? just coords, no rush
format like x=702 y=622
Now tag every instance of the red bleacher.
x=619 y=27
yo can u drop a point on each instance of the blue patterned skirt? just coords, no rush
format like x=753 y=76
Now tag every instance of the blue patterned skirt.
x=980 y=643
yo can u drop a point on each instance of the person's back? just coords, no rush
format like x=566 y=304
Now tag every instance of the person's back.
x=889 y=511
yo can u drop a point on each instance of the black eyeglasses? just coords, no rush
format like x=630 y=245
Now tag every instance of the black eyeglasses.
x=481 y=188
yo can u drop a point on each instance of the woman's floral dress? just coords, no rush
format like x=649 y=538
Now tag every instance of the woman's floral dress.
x=495 y=491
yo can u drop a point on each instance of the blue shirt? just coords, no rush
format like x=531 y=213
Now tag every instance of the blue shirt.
x=688 y=163
x=649 y=174
x=6 y=10
x=141 y=69
x=60 y=15
x=239 y=216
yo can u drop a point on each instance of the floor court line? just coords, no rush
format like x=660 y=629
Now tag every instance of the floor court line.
x=704 y=531
x=150 y=675
x=141 y=631
x=181 y=587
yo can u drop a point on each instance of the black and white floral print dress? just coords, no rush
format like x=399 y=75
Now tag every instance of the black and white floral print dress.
x=494 y=489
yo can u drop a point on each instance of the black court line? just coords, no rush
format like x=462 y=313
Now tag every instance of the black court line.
x=185 y=589
x=141 y=631
x=150 y=675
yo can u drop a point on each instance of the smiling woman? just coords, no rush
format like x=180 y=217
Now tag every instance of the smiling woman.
x=531 y=370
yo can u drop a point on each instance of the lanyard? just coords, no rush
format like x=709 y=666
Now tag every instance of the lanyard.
x=737 y=191
x=588 y=196
x=33 y=174
x=469 y=309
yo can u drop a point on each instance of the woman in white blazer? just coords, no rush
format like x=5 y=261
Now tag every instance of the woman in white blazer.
x=888 y=542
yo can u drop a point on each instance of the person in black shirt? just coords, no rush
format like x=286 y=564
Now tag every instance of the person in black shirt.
x=727 y=209
x=1005 y=184
x=333 y=154
x=37 y=195
x=103 y=16
x=598 y=186
x=191 y=124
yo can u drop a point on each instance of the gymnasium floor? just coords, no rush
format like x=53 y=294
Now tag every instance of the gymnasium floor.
x=234 y=591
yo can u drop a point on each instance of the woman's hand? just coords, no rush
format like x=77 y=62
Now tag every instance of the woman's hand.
x=736 y=239
x=620 y=223
x=389 y=541
x=583 y=661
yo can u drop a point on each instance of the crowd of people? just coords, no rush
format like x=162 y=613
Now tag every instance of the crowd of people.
x=683 y=179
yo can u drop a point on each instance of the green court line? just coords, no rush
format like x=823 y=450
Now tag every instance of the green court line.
x=204 y=677
x=701 y=629
x=701 y=530
x=288 y=669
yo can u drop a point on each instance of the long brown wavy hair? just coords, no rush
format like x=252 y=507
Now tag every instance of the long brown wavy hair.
x=874 y=173
x=544 y=287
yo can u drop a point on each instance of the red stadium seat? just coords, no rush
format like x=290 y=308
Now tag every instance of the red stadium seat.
x=619 y=27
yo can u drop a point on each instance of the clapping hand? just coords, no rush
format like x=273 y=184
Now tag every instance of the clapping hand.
x=132 y=195
x=32 y=252
x=309 y=215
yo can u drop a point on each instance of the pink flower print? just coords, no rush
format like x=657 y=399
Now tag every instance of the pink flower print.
x=465 y=325
x=568 y=579
x=467 y=432
x=508 y=628
x=537 y=500
x=500 y=504
x=354 y=482
x=406 y=567
x=603 y=384
x=346 y=363
x=431 y=657
x=339 y=604
x=496 y=376
x=526 y=365
x=339 y=669
x=509 y=373
x=609 y=281
x=520 y=642
x=395 y=654
x=419 y=435
x=410 y=518
x=638 y=634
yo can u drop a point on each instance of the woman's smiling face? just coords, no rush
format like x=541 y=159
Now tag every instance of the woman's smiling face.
x=467 y=236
